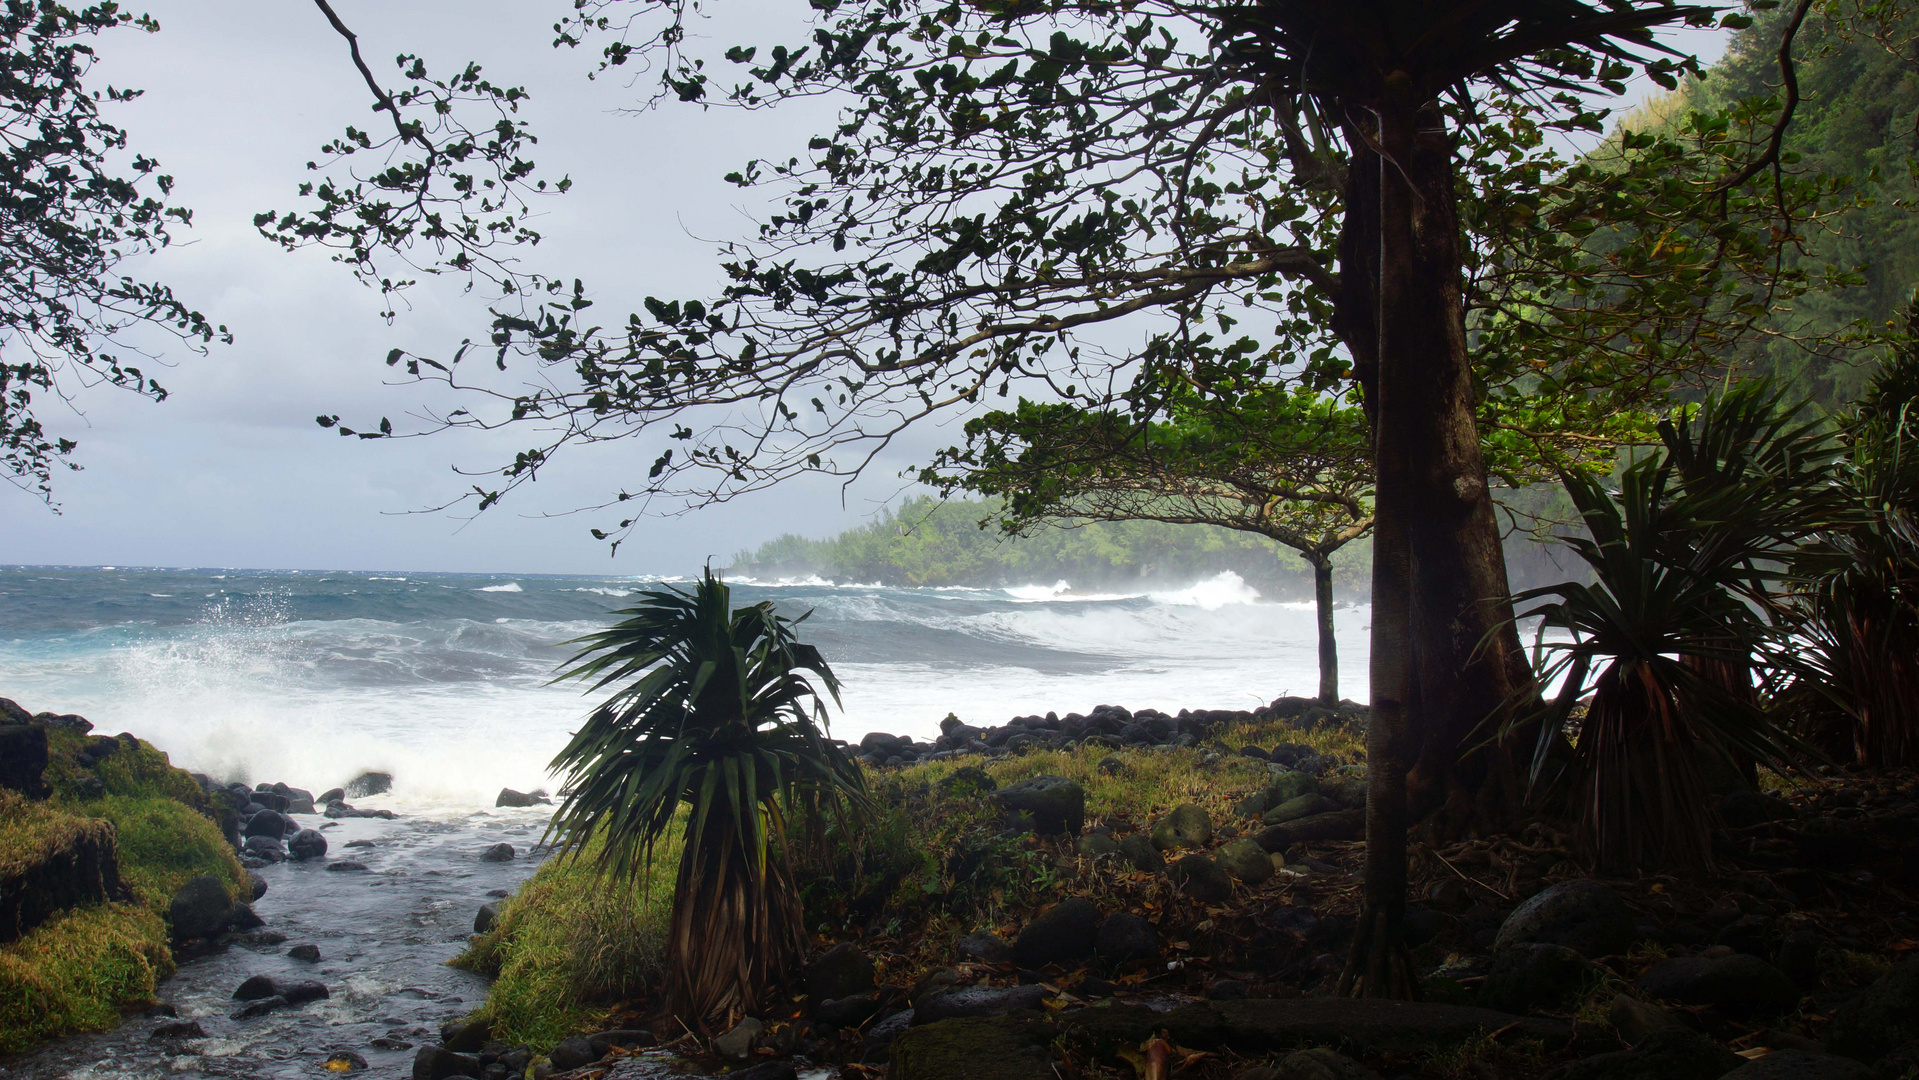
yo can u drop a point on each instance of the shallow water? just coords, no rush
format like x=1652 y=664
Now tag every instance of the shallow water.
x=384 y=936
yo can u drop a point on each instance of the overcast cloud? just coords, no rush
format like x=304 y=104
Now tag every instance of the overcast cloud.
x=232 y=470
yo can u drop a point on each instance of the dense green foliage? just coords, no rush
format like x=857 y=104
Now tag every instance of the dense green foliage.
x=1857 y=65
x=926 y=541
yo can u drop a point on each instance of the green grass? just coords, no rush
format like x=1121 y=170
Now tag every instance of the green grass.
x=570 y=944
x=164 y=845
x=76 y=972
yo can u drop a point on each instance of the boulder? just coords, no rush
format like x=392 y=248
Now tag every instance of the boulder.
x=269 y=848
x=972 y=1001
x=344 y=1061
x=179 y=1029
x=985 y=947
x=1635 y=1019
x=1320 y=1064
x=296 y=992
x=1882 y=1017
x=973 y=1048
x=1676 y=1054
x=486 y=918
x=498 y=853
x=11 y=712
x=269 y=823
x=465 y=1036
x=1800 y=1065
x=243 y=918
x=879 y=1038
x=1199 y=877
x=336 y=810
x=622 y=1038
x=509 y=797
x=306 y=954
x=1066 y=931
x=1339 y=825
x=199 y=909
x=332 y=795
x=259 y=1007
x=23 y=758
x=1125 y=937
x=574 y=1052
x=739 y=1040
x=1187 y=826
x=306 y=844
x=1299 y=806
x=439 y=1063
x=1245 y=860
x=849 y=1011
x=272 y=800
x=346 y=866
x=1531 y=975
x=1289 y=784
x=1058 y=805
x=1093 y=845
x=257 y=883
x=1136 y=849
x=1739 y=984
x=839 y=972
x=1582 y=915
x=73 y=863
x=368 y=783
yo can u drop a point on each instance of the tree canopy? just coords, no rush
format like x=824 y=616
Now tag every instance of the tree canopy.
x=72 y=211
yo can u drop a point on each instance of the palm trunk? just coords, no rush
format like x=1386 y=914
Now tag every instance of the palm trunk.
x=734 y=933
x=1328 y=644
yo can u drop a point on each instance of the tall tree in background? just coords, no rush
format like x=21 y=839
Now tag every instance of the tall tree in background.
x=1292 y=467
x=69 y=213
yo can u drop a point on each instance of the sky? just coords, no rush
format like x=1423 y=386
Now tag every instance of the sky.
x=231 y=470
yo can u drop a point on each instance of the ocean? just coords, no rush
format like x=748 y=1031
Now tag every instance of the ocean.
x=443 y=680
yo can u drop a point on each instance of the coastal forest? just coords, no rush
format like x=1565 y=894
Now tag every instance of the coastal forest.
x=1606 y=409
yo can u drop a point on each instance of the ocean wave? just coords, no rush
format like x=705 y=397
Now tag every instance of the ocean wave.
x=1215 y=592
x=511 y=586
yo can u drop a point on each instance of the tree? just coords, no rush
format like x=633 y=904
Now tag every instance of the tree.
x=1007 y=177
x=707 y=713
x=72 y=213
x=1292 y=467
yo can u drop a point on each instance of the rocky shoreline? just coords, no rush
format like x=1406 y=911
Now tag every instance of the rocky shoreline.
x=1114 y=726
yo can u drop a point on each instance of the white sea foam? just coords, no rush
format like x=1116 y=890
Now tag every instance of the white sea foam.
x=1213 y=593
x=511 y=586
x=457 y=706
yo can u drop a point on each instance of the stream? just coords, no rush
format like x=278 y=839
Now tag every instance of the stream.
x=384 y=935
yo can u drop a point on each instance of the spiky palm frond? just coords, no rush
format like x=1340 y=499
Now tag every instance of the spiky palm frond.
x=1679 y=552
x=708 y=709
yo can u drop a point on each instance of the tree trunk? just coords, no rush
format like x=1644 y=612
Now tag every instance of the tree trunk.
x=1328 y=644
x=1469 y=666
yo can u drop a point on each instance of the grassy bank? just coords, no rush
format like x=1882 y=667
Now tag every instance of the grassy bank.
x=78 y=971
x=572 y=951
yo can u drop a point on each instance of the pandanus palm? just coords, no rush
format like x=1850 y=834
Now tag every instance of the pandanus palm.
x=1684 y=555
x=709 y=712
x=1856 y=681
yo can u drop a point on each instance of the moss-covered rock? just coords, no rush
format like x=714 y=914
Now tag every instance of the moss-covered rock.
x=77 y=971
x=50 y=861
